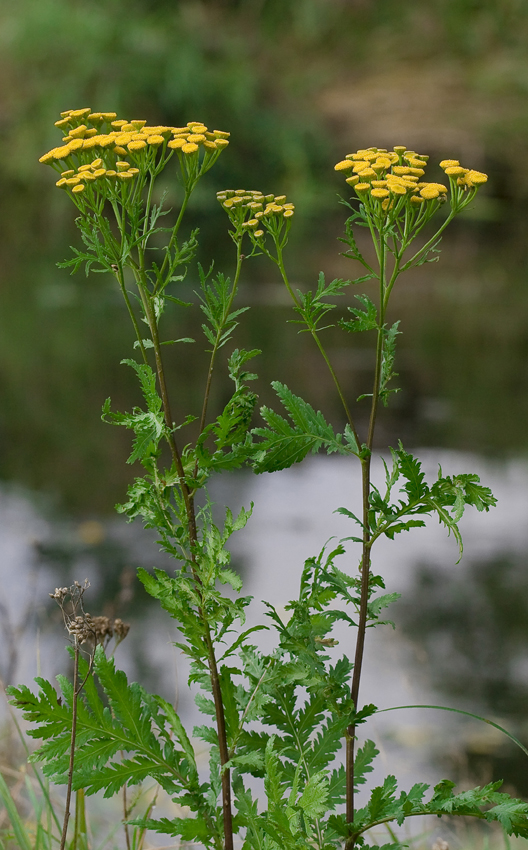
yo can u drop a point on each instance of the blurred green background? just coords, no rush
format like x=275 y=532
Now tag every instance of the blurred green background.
x=298 y=83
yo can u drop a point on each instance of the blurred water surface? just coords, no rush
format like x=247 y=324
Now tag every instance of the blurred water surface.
x=446 y=633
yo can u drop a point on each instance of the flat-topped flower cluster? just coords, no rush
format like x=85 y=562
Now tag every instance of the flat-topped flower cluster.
x=99 y=146
x=253 y=209
x=382 y=177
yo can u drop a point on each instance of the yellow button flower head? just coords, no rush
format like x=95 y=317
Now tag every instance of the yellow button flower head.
x=196 y=138
x=476 y=178
x=78 y=188
x=344 y=165
x=175 y=144
x=455 y=171
x=447 y=163
x=189 y=148
x=380 y=193
x=155 y=140
x=362 y=187
x=80 y=113
x=221 y=143
x=429 y=193
x=136 y=145
x=75 y=144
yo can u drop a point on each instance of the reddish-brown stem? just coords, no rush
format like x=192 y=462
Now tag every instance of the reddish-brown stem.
x=72 y=744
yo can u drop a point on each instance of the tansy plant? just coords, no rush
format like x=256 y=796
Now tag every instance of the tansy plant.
x=284 y=718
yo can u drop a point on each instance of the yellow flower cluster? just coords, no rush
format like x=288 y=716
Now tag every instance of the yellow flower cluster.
x=467 y=178
x=387 y=176
x=110 y=139
x=77 y=179
x=260 y=209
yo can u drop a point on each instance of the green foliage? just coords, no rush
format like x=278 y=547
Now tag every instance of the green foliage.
x=283 y=444
x=285 y=716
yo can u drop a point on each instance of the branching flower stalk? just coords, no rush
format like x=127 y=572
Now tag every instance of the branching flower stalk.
x=395 y=206
x=281 y=717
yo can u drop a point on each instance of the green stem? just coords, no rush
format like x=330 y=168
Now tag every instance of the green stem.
x=367 y=543
x=240 y=259
x=118 y=271
x=280 y=263
x=175 y=230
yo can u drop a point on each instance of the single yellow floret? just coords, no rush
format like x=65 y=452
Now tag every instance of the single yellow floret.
x=78 y=132
x=122 y=166
x=175 y=144
x=95 y=117
x=362 y=187
x=124 y=138
x=288 y=213
x=61 y=153
x=80 y=113
x=210 y=146
x=99 y=172
x=367 y=174
x=75 y=144
x=155 y=140
x=73 y=181
x=189 y=148
x=61 y=182
x=109 y=116
x=137 y=145
x=396 y=188
x=62 y=123
x=380 y=193
x=352 y=180
x=84 y=168
x=429 y=193
x=455 y=171
x=68 y=173
x=258 y=233
x=48 y=157
x=97 y=163
x=447 y=163
x=138 y=124
x=399 y=148
x=78 y=188
x=125 y=175
x=196 y=138
x=220 y=134
x=477 y=178
x=344 y=165
x=221 y=143
x=119 y=124
x=416 y=199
